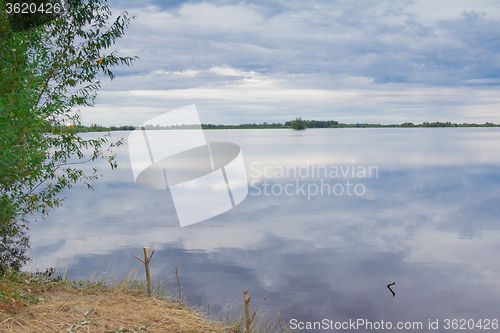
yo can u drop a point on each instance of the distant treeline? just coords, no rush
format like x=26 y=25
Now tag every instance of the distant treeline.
x=309 y=124
x=97 y=128
x=336 y=124
x=246 y=126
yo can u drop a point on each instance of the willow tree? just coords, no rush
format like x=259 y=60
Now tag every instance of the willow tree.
x=48 y=68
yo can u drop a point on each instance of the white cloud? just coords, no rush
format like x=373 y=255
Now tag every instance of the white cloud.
x=382 y=62
x=222 y=91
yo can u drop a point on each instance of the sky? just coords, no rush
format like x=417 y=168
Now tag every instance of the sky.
x=272 y=61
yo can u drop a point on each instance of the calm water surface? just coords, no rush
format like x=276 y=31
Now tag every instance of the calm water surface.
x=427 y=218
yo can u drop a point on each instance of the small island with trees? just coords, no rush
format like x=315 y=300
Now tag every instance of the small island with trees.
x=298 y=124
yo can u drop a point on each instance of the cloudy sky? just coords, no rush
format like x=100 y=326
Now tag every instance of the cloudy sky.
x=351 y=61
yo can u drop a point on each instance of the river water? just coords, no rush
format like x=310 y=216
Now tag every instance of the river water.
x=331 y=218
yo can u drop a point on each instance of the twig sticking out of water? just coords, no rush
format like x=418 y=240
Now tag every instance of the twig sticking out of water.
x=389 y=286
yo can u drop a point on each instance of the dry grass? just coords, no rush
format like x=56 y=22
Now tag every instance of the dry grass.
x=62 y=306
x=40 y=303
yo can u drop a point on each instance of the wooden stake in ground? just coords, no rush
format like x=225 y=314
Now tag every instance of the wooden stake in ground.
x=178 y=282
x=146 y=260
x=248 y=321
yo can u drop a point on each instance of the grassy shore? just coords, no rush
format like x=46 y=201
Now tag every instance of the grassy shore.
x=42 y=303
